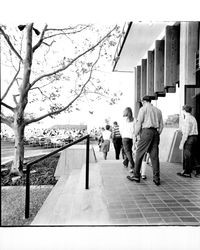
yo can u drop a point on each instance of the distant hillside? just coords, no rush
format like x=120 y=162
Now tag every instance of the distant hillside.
x=69 y=126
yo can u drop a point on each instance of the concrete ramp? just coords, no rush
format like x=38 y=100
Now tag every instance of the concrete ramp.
x=70 y=203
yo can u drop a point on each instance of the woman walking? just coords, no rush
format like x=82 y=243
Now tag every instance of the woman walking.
x=127 y=131
x=106 y=141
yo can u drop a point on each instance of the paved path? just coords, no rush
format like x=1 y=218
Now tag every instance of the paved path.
x=175 y=202
x=114 y=200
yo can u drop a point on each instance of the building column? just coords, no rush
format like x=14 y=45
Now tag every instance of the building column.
x=188 y=48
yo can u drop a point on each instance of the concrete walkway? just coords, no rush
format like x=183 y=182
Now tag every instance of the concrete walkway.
x=175 y=202
x=114 y=200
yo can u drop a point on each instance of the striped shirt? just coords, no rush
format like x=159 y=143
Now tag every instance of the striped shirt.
x=189 y=126
x=116 y=132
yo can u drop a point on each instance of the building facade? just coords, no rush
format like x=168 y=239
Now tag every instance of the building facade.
x=164 y=58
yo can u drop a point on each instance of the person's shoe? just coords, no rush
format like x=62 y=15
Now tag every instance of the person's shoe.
x=133 y=178
x=182 y=174
x=157 y=183
x=144 y=177
x=125 y=164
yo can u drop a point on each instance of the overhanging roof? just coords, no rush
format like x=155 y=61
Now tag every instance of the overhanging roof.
x=140 y=38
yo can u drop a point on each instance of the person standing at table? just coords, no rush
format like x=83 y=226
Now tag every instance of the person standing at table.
x=127 y=130
x=150 y=124
x=117 y=139
x=188 y=142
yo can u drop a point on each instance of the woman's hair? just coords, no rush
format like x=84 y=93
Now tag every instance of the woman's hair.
x=129 y=114
x=107 y=127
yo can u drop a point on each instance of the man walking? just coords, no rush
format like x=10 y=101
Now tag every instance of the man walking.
x=188 y=142
x=117 y=140
x=150 y=124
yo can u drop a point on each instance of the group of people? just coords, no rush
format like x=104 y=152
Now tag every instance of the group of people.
x=142 y=136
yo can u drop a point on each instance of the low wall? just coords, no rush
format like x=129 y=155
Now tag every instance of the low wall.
x=73 y=158
x=169 y=146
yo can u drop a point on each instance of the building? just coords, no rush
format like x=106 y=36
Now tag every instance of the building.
x=164 y=58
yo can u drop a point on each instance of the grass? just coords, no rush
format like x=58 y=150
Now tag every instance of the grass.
x=13 y=192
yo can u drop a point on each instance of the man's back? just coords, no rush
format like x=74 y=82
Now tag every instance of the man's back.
x=150 y=116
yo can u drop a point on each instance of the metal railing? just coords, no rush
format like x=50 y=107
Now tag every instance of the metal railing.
x=28 y=165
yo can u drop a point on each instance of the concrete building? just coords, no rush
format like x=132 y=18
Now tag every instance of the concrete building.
x=164 y=60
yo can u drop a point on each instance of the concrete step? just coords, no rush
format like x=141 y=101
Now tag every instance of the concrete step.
x=70 y=203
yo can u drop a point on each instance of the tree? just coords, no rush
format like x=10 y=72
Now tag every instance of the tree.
x=29 y=53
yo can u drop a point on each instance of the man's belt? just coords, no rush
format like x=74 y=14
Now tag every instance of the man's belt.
x=151 y=128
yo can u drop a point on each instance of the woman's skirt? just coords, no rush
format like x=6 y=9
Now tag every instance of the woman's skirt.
x=105 y=146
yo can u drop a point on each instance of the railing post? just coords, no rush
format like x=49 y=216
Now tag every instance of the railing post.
x=27 y=198
x=87 y=163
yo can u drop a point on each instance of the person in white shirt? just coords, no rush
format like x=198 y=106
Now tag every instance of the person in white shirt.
x=127 y=130
x=188 y=142
x=106 y=141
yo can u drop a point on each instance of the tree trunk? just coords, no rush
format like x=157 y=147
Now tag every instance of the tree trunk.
x=17 y=165
x=19 y=125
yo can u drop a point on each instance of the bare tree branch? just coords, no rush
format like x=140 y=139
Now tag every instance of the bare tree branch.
x=43 y=93
x=6 y=121
x=72 y=61
x=15 y=99
x=13 y=80
x=63 y=31
x=69 y=104
x=7 y=106
x=70 y=28
x=58 y=34
x=52 y=81
x=10 y=44
x=97 y=93
x=40 y=40
x=49 y=45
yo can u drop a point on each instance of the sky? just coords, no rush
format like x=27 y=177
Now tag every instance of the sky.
x=101 y=109
x=112 y=12
x=115 y=81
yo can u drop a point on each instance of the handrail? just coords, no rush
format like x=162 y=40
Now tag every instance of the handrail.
x=29 y=164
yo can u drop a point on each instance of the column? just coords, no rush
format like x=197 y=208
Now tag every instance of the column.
x=171 y=59
x=150 y=75
x=143 y=78
x=159 y=68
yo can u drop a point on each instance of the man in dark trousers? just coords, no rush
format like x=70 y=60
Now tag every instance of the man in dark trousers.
x=117 y=140
x=150 y=124
x=189 y=142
